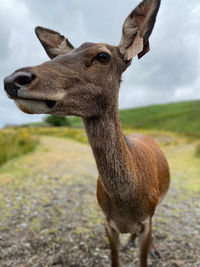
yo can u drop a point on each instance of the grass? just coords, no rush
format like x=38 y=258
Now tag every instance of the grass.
x=64 y=132
x=183 y=117
x=17 y=141
x=185 y=167
x=197 y=152
x=35 y=174
x=41 y=190
x=14 y=143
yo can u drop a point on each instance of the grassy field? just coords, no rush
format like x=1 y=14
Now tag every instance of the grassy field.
x=15 y=142
x=49 y=214
x=182 y=117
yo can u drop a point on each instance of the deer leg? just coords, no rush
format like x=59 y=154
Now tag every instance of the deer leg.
x=131 y=240
x=154 y=252
x=113 y=237
x=145 y=242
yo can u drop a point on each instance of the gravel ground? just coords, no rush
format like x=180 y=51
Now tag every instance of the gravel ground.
x=49 y=215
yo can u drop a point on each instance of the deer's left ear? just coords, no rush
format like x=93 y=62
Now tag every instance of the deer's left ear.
x=137 y=29
x=53 y=42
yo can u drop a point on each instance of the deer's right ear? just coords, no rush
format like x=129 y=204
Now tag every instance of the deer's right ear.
x=137 y=29
x=53 y=42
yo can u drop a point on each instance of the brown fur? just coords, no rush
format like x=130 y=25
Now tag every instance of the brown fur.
x=133 y=171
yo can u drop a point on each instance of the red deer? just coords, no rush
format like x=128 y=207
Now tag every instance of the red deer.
x=84 y=82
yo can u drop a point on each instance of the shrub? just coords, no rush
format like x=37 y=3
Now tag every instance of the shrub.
x=14 y=143
x=197 y=152
x=65 y=132
x=54 y=120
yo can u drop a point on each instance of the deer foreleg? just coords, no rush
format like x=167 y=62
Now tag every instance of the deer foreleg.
x=145 y=242
x=113 y=237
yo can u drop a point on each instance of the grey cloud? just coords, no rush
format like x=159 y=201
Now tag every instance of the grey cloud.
x=173 y=62
x=169 y=72
x=4 y=42
x=10 y=114
x=99 y=21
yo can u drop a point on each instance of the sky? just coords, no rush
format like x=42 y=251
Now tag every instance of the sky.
x=170 y=72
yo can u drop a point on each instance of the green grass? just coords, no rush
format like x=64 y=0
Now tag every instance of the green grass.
x=14 y=143
x=64 y=132
x=183 y=117
x=197 y=152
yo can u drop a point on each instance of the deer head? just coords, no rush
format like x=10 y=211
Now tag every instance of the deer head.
x=81 y=81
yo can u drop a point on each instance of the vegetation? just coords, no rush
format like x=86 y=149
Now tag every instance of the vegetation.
x=181 y=117
x=40 y=192
x=48 y=199
x=197 y=152
x=54 y=120
x=76 y=122
x=14 y=143
x=65 y=132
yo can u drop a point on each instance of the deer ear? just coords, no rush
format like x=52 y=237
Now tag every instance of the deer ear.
x=53 y=43
x=137 y=29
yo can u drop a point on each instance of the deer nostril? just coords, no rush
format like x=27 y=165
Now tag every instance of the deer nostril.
x=17 y=80
x=24 y=79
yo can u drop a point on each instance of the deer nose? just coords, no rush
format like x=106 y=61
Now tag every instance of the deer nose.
x=17 y=80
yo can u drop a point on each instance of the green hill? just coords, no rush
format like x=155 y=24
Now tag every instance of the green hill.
x=183 y=117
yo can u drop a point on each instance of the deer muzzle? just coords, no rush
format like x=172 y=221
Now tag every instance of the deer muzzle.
x=16 y=86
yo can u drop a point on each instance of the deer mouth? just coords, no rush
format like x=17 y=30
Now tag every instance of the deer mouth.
x=50 y=103
x=35 y=106
x=22 y=88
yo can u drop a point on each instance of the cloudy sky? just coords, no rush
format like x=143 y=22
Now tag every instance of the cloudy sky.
x=169 y=72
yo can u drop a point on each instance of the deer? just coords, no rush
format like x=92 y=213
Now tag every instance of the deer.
x=133 y=172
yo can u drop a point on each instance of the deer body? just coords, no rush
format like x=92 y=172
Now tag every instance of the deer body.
x=130 y=167
x=134 y=177
x=133 y=171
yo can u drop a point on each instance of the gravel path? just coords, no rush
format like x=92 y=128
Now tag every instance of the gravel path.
x=50 y=216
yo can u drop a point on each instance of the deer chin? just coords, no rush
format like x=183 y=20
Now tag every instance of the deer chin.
x=32 y=106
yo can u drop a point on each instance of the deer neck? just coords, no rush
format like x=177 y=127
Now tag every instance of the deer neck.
x=111 y=153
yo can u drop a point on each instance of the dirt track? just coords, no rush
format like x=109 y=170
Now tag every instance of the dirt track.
x=50 y=217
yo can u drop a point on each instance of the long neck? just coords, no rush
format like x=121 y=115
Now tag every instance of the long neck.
x=111 y=153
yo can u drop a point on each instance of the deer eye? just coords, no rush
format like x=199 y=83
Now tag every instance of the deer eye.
x=103 y=57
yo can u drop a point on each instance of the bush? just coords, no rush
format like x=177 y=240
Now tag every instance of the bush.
x=197 y=152
x=54 y=120
x=14 y=143
x=72 y=133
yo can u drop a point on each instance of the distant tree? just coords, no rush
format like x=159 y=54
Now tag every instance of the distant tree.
x=54 y=120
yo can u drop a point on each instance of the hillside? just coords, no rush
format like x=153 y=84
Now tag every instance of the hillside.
x=183 y=117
